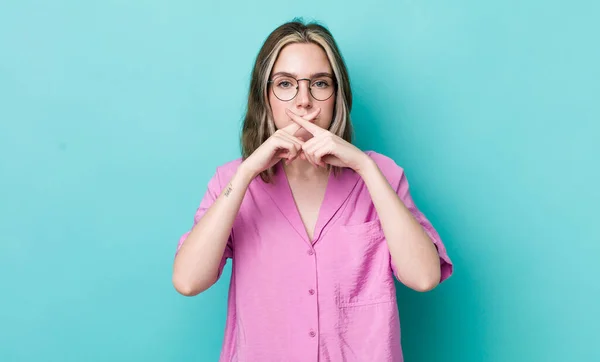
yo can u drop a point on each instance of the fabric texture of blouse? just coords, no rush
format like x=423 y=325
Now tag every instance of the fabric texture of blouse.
x=330 y=299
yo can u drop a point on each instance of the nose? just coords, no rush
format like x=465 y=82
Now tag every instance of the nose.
x=303 y=98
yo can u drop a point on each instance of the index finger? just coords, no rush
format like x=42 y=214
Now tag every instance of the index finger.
x=310 y=127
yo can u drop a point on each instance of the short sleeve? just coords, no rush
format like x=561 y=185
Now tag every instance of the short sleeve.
x=213 y=191
x=397 y=179
x=402 y=189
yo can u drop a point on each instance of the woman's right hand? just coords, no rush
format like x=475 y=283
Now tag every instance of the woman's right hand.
x=281 y=145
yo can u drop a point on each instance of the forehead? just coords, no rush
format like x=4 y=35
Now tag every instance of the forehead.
x=302 y=60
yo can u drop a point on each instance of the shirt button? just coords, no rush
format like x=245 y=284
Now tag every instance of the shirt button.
x=311 y=291
x=311 y=252
x=312 y=334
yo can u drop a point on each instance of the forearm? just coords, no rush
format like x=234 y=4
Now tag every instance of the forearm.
x=197 y=262
x=412 y=251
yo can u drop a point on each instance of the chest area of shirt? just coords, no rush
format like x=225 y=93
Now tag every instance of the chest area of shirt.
x=281 y=210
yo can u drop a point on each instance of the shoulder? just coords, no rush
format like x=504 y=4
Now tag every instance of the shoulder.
x=225 y=171
x=390 y=169
x=388 y=166
x=383 y=161
x=230 y=166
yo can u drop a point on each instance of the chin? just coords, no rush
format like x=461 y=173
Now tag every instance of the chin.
x=304 y=133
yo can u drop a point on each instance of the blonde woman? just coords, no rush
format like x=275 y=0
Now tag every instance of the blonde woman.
x=317 y=229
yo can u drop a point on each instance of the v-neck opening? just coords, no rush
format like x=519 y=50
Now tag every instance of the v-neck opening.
x=315 y=235
x=338 y=189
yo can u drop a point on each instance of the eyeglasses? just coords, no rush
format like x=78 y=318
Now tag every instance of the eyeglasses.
x=285 y=88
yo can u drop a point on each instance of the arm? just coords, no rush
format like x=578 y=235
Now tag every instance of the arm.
x=413 y=252
x=197 y=262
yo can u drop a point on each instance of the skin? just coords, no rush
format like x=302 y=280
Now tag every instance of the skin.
x=302 y=141
x=301 y=61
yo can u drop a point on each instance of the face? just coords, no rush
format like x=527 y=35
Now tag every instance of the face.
x=302 y=61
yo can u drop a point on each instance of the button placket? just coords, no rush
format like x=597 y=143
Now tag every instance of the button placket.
x=312 y=292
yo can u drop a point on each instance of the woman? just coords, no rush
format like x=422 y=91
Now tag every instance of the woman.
x=318 y=238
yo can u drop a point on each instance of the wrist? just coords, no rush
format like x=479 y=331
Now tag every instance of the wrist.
x=244 y=173
x=365 y=166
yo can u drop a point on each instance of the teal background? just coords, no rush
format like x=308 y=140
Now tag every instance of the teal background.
x=115 y=114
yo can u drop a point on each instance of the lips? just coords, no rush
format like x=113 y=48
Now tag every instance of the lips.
x=312 y=120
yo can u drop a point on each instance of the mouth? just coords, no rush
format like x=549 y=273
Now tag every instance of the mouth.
x=318 y=115
x=314 y=120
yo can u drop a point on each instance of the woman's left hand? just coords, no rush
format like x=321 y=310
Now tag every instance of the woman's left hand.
x=327 y=148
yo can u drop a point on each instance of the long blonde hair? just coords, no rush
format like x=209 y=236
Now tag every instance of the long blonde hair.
x=258 y=122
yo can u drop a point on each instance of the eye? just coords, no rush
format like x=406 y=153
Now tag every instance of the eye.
x=321 y=84
x=285 y=83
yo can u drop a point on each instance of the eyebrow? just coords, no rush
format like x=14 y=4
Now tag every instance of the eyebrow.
x=314 y=75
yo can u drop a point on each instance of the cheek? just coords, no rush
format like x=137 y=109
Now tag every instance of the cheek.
x=278 y=109
x=327 y=114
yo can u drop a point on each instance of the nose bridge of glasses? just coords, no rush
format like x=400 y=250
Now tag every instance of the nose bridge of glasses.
x=299 y=80
x=308 y=88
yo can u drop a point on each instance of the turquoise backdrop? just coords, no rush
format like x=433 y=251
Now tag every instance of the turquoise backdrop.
x=114 y=114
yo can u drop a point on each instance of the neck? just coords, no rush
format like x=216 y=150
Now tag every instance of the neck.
x=302 y=169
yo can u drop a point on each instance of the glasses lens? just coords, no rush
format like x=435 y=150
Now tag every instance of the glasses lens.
x=322 y=88
x=285 y=88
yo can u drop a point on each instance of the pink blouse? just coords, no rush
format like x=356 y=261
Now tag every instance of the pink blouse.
x=329 y=299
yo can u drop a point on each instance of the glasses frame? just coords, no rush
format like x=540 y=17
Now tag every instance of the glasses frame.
x=298 y=88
